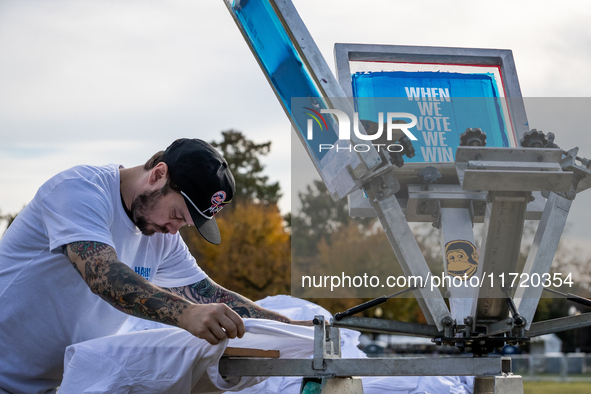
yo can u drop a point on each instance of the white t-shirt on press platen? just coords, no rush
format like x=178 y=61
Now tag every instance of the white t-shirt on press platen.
x=45 y=305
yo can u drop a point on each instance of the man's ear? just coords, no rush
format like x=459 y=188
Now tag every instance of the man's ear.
x=158 y=174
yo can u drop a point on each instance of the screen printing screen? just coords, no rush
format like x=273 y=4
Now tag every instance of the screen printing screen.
x=446 y=99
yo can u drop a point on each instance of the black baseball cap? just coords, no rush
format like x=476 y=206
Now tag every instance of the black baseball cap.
x=204 y=180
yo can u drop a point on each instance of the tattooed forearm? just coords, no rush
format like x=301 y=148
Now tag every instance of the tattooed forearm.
x=65 y=252
x=207 y=291
x=120 y=286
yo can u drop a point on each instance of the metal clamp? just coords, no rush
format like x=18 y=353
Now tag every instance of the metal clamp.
x=327 y=343
x=384 y=186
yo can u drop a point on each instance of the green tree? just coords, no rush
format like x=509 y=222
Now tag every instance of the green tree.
x=254 y=256
x=318 y=218
x=243 y=157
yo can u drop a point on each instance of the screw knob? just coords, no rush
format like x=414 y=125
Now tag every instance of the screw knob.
x=429 y=175
x=534 y=139
x=473 y=137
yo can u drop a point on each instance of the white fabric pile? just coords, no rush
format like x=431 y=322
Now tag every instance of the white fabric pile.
x=299 y=309
x=148 y=357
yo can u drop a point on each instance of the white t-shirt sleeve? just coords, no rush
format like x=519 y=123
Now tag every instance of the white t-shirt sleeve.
x=76 y=210
x=178 y=267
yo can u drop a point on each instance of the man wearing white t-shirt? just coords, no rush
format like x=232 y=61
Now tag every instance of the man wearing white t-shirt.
x=100 y=240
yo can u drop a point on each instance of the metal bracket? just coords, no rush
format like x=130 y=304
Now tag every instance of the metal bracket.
x=449 y=326
x=384 y=186
x=345 y=367
x=558 y=325
x=332 y=348
x=541 y=254
x=500 y=326
x=511 y=169
x=437 y=214
x=319 y=343
x=327 y=343
x=471 y=210
x=388 y=326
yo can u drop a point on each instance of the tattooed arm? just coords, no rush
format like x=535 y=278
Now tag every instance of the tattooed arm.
x=127 y=291
x=207 y=291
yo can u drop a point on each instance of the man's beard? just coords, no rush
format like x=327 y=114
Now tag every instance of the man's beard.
x=142 y=206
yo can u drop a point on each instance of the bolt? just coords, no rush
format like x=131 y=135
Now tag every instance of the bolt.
x=447 y=321
x=380 y=194
x=384 y=186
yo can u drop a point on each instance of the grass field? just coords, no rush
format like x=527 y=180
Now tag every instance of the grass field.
x=556 y=387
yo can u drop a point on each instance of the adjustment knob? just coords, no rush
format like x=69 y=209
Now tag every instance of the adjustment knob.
x=534 y=139
x=429 y=175
x=408 y=150
x=406 y=143
x=473 y=137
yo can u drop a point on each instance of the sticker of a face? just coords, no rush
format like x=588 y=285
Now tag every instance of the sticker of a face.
x=462 y=258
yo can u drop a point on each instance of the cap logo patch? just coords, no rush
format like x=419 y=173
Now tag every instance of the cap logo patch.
x=218 y=197
x=217 y=201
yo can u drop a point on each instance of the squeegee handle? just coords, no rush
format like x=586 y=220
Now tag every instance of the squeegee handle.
x=578 y=299
x=361 y=307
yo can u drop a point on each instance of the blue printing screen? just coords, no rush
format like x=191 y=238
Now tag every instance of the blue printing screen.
x=283 y=66
x=445 y=104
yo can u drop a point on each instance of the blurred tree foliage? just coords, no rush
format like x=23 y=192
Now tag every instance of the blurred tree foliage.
x=319 y=218
x=243 y=157
x=254 y=256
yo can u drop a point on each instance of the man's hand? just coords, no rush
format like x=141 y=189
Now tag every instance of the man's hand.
x=212 y=322
x=127 y=291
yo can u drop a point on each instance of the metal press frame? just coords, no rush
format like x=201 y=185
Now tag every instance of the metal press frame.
x=500 y=186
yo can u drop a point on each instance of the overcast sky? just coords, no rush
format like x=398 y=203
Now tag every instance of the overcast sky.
x=101 y=81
